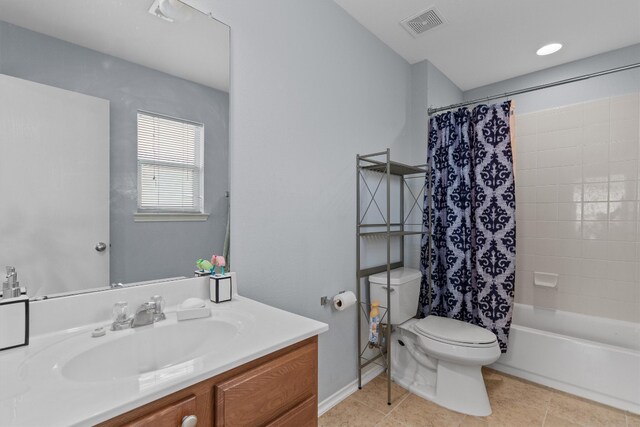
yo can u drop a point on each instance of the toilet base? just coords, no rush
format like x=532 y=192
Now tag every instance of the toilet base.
x=460 y=392
x=454 y=386
x=461 y=388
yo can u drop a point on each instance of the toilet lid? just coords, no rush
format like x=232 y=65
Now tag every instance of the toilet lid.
x=454 y=331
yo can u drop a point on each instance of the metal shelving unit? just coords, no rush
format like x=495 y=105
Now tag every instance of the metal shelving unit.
x=381 y=163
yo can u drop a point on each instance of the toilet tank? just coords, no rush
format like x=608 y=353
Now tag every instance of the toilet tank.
x=405 y=290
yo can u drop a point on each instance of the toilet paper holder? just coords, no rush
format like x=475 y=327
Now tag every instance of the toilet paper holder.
x=326 y=300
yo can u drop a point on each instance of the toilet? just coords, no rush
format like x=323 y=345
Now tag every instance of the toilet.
x=437 y=358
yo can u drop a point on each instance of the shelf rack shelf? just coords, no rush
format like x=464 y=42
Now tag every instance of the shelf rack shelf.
x=390 y=233
x=381 y=163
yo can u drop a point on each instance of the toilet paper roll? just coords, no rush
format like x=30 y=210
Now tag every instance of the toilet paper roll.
x=344 y=300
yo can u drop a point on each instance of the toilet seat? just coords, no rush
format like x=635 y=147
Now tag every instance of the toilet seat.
x=455 y=332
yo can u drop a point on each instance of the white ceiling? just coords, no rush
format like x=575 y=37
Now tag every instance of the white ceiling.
x=196 y=49
x=485 y=41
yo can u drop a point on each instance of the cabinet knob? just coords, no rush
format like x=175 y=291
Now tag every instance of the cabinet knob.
x=190 y=421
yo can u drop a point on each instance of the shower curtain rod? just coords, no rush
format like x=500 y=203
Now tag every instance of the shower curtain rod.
x=431 y=111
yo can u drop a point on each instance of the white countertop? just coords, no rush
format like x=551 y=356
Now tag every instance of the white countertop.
x=34 y=391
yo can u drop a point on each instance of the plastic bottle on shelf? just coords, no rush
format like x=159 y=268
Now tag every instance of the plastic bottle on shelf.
x=374 y=324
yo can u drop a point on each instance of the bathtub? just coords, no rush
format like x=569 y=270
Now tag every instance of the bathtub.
x=588 y=356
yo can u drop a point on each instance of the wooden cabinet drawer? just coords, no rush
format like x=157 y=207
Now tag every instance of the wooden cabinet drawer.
x=303 y=415
x=168 y=416
x=266 y=392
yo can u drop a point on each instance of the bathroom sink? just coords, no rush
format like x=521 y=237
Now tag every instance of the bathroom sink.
x=149 y=349
x=109 y=375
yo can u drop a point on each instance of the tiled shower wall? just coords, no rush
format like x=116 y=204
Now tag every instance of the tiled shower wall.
x=577 y=192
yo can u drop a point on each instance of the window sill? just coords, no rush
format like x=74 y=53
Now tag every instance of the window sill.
x=169 y=216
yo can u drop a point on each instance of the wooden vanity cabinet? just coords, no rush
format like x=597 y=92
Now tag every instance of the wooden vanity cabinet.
x=279 y=389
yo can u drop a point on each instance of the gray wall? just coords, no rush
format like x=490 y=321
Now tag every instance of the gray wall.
x=139 y=251
x=429 y=87
x=310 y=89
x=599 y=87
x=442 y=91
x=418 y=112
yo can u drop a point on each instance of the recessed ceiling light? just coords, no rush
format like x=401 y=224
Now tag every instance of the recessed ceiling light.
x=548 y=49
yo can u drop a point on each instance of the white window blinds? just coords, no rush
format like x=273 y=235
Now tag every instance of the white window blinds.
x=169 y=164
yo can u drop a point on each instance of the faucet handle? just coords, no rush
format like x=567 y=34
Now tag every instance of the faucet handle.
x=121 y=319
x=158 y=311
x=120 y=311
x=159 y=303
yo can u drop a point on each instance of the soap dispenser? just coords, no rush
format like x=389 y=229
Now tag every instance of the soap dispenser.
x=14 y=312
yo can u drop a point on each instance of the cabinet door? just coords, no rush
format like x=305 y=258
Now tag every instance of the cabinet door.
x=265 y=393
x=167 y=416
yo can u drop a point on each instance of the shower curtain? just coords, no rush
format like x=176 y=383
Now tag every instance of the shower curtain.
x=470 y=216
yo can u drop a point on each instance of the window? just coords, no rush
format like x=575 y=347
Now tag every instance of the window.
x=169 y=164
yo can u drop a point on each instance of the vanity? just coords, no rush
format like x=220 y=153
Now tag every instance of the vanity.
x=246 y=364
x=279 y=389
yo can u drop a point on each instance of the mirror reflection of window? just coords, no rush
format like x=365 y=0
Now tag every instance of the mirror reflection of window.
x=170 y=164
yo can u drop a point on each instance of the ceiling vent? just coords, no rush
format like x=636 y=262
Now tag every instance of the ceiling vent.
x=424 y=21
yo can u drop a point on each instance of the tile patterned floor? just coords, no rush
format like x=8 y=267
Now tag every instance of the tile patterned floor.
x=514 y=402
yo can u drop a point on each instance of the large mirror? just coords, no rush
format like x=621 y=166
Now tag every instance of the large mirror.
x=113 y=142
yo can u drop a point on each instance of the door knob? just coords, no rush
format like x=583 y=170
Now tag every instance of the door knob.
x=101 y=246
x=190 y=421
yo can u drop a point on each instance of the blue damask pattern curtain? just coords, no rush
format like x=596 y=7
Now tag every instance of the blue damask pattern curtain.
x=471 y=219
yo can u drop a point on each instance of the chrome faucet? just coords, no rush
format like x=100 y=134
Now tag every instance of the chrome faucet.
x=146 y=314
x=149 y=312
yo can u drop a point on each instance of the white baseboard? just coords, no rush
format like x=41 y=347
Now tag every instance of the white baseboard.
x=349 y=389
